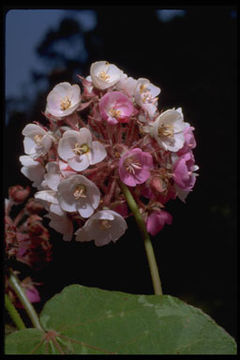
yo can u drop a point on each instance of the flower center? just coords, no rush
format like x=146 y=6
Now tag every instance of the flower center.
x=115 y=113
x=105 y=224
x=65 y=103
x=132 y=165
x=80 y=191
x=103 y=76
x=38 y=138
x=80 y=149
x=142 y=88
x=165 y=130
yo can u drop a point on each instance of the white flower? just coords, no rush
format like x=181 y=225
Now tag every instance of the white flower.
x=77 y=193
x=104 y=75
x=63 y=100
x=89 y=85
x=78 y=149
x=37 y=141
x=65 y=169
x=47 y=198
x=168 y=130
x=146 y=96
x=60 y=222
x=103 y=227
x=53 y=176
x=127 y=84
x=32 y=169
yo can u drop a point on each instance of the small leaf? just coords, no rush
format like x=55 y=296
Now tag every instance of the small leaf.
x=93 y=321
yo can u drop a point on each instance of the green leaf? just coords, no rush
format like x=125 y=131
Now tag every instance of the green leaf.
x=93 y=321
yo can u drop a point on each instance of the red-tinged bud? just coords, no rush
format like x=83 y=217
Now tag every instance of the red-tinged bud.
x=18 y=194
x=34 y=207
x=157 y=184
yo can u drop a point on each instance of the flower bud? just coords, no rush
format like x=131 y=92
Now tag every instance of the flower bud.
x=34 y=207
x=18 y=194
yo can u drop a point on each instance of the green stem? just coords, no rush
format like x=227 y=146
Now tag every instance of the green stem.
x=24 y=301
x=16 y=318
x=146 y=238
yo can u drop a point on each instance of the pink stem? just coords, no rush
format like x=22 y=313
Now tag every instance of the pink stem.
x=111 y=190
x=19 y=217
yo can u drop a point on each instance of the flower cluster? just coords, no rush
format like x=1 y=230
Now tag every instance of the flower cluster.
x=26 y=238
x=107 y=130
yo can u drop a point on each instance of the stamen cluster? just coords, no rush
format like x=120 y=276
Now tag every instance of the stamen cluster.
x=107 y=130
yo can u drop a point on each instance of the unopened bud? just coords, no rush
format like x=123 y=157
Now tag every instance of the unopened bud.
x=18 y=194
x=34 y=207
x=157 y=184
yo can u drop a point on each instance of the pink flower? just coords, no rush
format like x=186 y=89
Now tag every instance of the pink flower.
x=157 y=220
x=183 y=171
x=135 y=166
x=189 y=140
x=115 y=107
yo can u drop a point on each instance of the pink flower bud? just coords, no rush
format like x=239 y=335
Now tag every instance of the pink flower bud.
x=189 y=140
x=33 y=295
x=156 y=221
x=34 y=207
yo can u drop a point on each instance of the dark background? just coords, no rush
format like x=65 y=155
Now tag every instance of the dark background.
x=193 y=59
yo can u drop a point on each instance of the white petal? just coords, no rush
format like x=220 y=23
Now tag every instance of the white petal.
x=32 y=130
x=103 y=238
x=28 y=161
x=61 y=224
x=65 y=170
x=94 y=195
x=103 y=215
x=82 y=235
x=170 y=116
x=56 y=209
x=33 y=173
x=67 y=143
x=66 y=206
x=85 y=209
x=46 y=143
x=79 y=163
x=85 y=137
x=47 y=195
x=29 y=145
x=98 y=152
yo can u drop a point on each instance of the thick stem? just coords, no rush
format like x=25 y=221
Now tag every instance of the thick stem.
x=16 y=318
x=146 y=238
x=24 y=301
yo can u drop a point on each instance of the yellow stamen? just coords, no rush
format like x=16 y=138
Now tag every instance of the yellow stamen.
x=65 y=103
x=115 y=113
x=142 y=88
x=166 y=130
x=105 y=224
x=80 y=192
x=103 y=76
x=80 y=149
x=38 y=138
x=131 y=165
